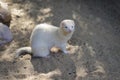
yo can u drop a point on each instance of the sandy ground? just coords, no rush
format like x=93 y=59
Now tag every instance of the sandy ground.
x=95 y=45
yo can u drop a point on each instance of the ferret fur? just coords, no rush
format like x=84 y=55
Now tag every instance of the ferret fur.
x=45 y=36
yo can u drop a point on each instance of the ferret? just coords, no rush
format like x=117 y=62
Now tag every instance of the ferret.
x=45 y=36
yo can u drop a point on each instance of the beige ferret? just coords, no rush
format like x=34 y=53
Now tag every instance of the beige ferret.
x=45 y=36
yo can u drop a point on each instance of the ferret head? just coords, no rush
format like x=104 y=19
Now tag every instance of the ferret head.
x=67 y=26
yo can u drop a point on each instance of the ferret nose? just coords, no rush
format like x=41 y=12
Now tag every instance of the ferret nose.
x=70 y=31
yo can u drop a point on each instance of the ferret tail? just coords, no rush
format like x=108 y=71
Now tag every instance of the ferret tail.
x=23 y=50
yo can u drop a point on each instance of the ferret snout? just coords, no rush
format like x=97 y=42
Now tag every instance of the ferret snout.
x=69 y=30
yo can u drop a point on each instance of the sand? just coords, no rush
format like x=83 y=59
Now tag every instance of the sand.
x=94 y=52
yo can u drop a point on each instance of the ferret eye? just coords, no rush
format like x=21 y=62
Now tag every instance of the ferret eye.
x=66 y=27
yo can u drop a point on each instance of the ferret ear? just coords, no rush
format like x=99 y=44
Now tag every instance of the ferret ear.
x=73 y=22
x=62 y=24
